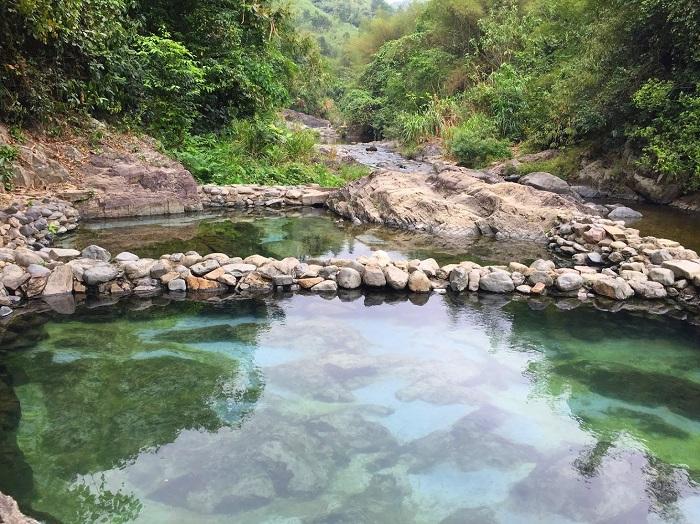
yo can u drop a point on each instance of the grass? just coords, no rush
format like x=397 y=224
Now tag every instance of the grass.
x=565 y=165
x=262 y=152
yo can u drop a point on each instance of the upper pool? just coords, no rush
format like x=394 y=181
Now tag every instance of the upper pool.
x=304 y=409
x=280 y=234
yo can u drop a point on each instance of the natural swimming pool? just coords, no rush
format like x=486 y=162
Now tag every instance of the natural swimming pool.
x=351 y=409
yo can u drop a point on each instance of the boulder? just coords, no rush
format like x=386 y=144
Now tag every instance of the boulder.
x=26 y=257
x=429 y=266
x=683 y=268
x=125 y=256
x=60 y=282
x=96 y=253
x=14 y=276
x=459 y=279
x=546 y=182
x=138 y=268
x=327 y=286
x=624 y=213
x=256 y=260
x=543 y=265
x=497 y=282
x=100 y=274
x=662 y=275
x=239 y=269
x=452 y=203
x=374 y=277
x=177 y=284
x=202 y=284
x=615 y=288
x=308 y=283
x=418 y=282
x=569 y=282
x=202 y=268
x=348 y=278
x=395 y=277
x=254 y=283
x=648 y=290
x=63 y=254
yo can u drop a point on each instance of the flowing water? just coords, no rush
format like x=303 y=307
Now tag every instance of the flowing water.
x=304 y=409
x=279 y=234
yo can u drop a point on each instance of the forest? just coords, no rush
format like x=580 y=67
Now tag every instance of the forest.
x=486 y=77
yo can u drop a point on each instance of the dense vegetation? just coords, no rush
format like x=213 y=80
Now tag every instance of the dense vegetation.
x=205 y=77
x=334 y=22
x=487 y=74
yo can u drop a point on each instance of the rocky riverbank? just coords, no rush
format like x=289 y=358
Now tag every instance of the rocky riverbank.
x=599 y=257
x=30 y=223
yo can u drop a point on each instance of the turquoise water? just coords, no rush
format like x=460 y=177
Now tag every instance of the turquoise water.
x=303 y=409
x=280 y=234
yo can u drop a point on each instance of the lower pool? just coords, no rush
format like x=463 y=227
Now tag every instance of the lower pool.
x=451 y=409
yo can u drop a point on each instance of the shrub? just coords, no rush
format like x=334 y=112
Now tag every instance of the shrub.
x=172 y=82
x=474 y=143
x=670 y=140
x=8 y=156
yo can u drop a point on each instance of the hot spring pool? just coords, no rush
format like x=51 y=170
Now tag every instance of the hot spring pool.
x=301 y=409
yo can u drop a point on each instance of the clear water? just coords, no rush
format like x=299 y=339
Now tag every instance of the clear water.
x=289 y=233
x=303 y=409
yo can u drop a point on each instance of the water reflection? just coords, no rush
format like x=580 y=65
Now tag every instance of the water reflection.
x=280 y=234
x=300 y=409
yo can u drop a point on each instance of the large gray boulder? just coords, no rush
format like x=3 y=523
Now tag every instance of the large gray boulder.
x=100 y=274
x=546 y=182
x=624 y=213
x=569 y=282
x=497 y=282
x=374 y=277
x=96 y=253
x=459 y=279
x=348 y=278
x=683 y=268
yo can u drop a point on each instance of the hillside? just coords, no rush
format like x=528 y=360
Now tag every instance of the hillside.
x=334 y=21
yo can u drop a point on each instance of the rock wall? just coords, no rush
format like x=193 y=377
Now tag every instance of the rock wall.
x=607 y=260
x=30 y=223
x=263 y=196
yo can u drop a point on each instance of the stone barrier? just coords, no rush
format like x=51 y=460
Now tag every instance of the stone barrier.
x=593 y=257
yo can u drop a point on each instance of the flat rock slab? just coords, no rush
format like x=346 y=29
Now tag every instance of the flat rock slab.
x=452 y=203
